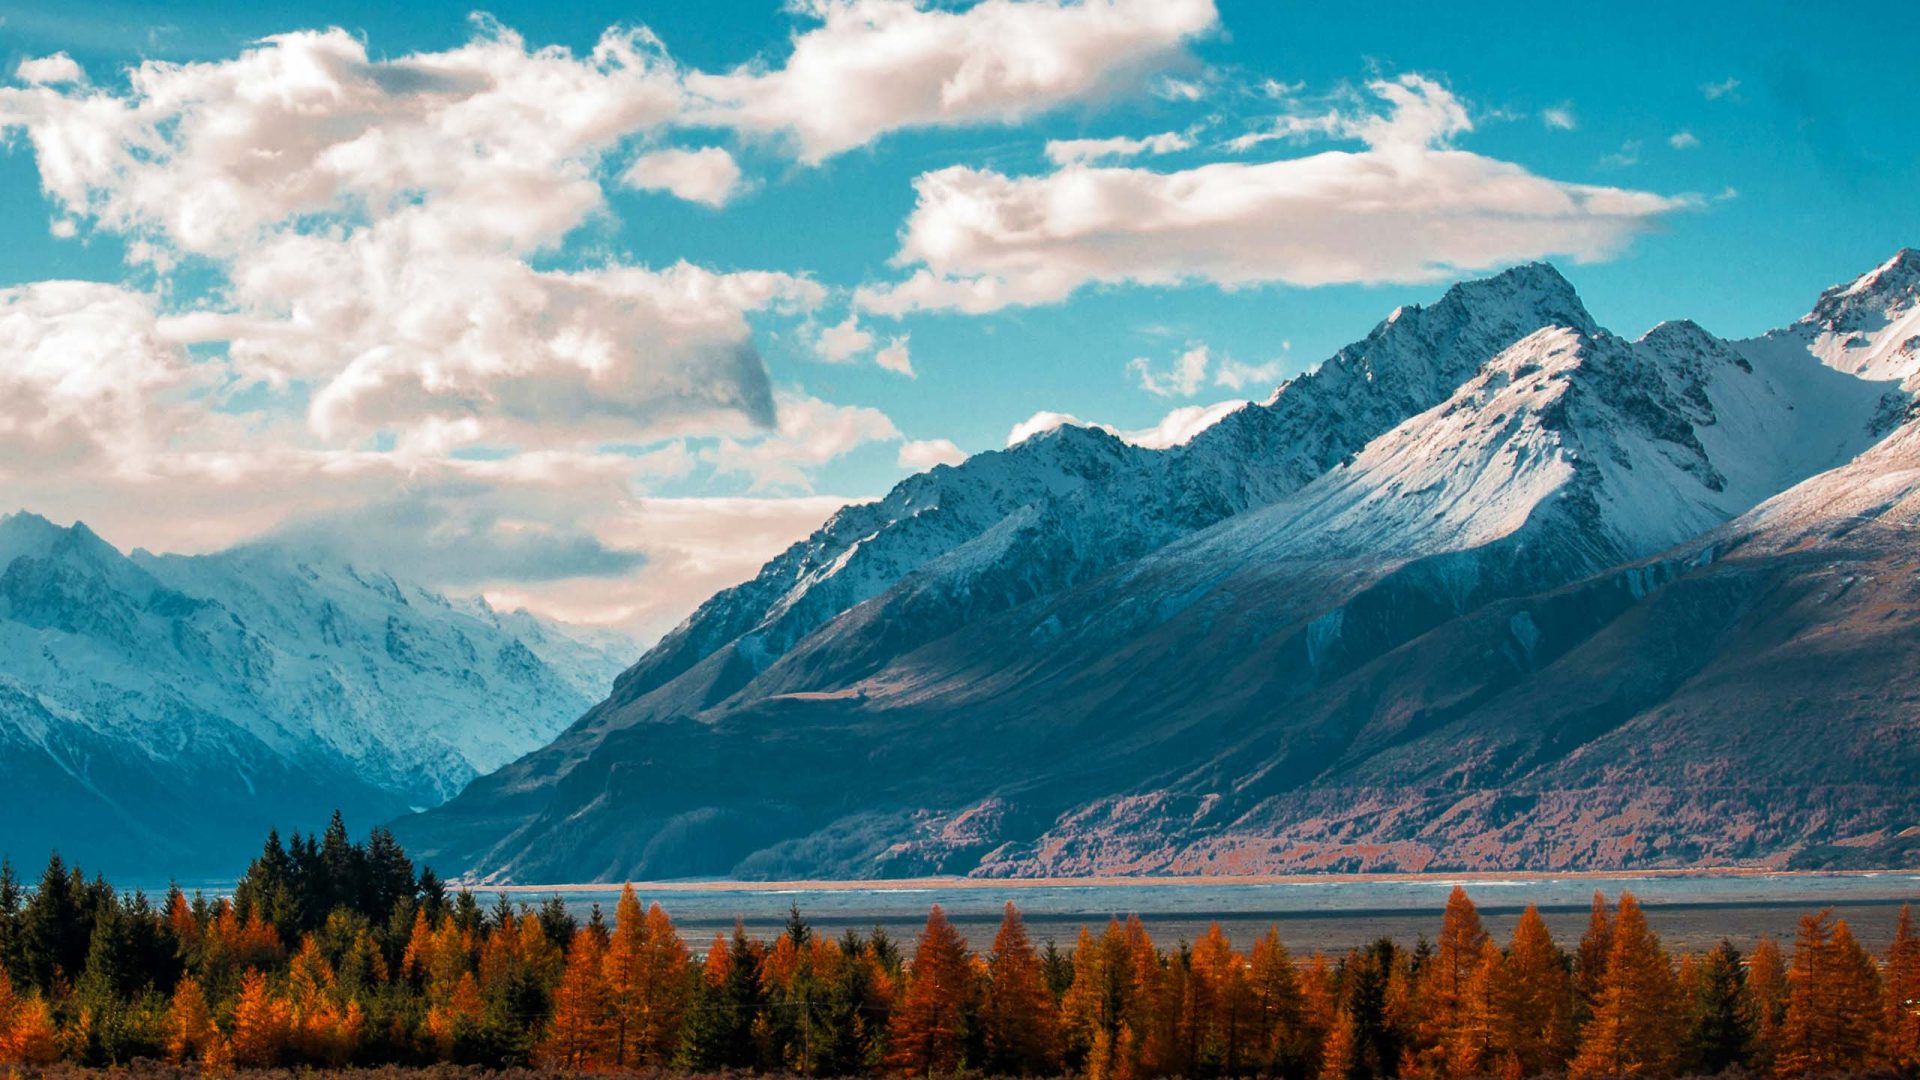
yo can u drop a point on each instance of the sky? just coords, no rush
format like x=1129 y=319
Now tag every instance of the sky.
x=593 y=308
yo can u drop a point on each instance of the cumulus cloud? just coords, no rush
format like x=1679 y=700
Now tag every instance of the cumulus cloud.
x=1559 y=118
x=376 y=222
x=810 y=432
x=841 y=342
x=50 y=70
x=873 y=66
x=1072 y=151
x=922 y=454
x=895 y=358
x=1239 y=375
x=1683 y=140
x=708 y=176
x=86 y=379
x=1183 y=379
x=1174 y=429
x=1408 y=207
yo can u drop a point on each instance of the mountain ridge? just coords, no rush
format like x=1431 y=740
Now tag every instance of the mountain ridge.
x=1084 y=649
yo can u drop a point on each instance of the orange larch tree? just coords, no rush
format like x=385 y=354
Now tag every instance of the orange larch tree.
x=1018 y=1019
x=578 y=1032
x=928 y=1032
x=1534 y=1011
x=1635 y=1025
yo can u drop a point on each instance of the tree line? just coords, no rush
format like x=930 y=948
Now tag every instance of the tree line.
x=331 y=953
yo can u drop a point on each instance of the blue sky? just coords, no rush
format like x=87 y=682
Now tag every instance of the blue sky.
x=1744 y=156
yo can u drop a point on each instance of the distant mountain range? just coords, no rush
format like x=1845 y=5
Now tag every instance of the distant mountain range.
x=159 y=713
x=1490 y=588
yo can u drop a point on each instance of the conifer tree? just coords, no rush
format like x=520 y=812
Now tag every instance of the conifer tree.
x=1767 y=989
x=1590 y=962
x=1534 y=1008
x=1902 y=995
x=1634 y=1030
x=190 y=1030
x=262 y=1024
x=579 y=1032
x=1719 y=1014
x=1019 y=1021
x=930 y=1028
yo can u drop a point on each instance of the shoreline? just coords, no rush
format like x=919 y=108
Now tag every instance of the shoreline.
x=934 y=884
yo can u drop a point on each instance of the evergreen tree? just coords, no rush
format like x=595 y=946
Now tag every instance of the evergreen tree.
x=1720 y=1029
x=730 y=999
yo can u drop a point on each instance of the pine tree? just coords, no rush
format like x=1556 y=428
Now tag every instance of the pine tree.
x=929 y=1030
x=1019 y=1021
x=1719 y=1014
x=1634 y=1027
x=730 y=999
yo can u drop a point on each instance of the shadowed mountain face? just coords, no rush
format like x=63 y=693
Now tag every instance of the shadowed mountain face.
x=159 y=713
x=1491 y=588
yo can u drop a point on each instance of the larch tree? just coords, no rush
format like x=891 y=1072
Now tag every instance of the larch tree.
x=1833 y=1002
x=1902 y=993
x=1590 y=962
x=1222 y=1014
x=1768 y=992
x=578 y=1032
x=1443 y=988
x=262 y=1024
x=1281 y=1040
x=929 y=1029
x=1634 y=1030
x=1019 y=1022
x=1534 y=1008
x=190 y=1030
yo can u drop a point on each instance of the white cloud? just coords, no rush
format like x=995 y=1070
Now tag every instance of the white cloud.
x=1174 y=429
x=894 y=357
x=708 y=176
x=1071 y=151
x=694 y=547
x=86 y=380
x=922 y=454
x=1626 y=157
x=1683 y=140
x=1408 y=207
x=376 y=221
x=840 y=343
x=1182 y=379
x=1714 y=91
x=874 y=66
x=1182 y=424
x=1237 y=375
x=63 y=228
x=1559 y=118
x=810 y=433
x=50 y=70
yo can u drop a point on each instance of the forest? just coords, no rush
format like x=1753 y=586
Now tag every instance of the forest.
x=332 y=954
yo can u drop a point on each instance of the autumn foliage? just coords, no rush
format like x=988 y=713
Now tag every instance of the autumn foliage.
x=332 y=954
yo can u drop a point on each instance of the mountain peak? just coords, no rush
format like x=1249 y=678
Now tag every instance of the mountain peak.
x=1874 y=296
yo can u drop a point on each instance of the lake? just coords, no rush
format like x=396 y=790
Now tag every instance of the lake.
x=1689 y=910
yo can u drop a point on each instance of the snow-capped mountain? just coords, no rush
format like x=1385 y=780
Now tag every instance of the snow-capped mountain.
x=1078 y=655
x=176 y=706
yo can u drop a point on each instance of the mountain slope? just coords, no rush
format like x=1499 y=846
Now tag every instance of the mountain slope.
x=175 y=707
x=1116 y=683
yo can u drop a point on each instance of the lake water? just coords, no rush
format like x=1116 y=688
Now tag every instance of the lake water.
x=1333 y=913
